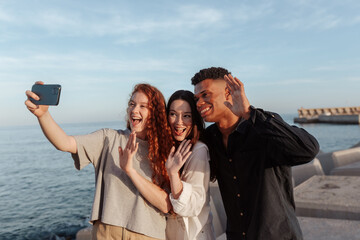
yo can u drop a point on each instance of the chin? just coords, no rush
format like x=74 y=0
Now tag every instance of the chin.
x=208 y=119
x=179 y=138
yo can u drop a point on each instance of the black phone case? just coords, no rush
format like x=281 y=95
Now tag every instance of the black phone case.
x=49 y=94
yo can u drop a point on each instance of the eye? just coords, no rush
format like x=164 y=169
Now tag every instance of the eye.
x=187 y=116
x=172 y=114
x=131 y=104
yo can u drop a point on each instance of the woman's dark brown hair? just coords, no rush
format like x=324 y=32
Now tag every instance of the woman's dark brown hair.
x=197 y=121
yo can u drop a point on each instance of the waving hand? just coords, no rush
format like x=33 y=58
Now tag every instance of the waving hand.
x=127 y=154
x=177 y=159
x=240 y=104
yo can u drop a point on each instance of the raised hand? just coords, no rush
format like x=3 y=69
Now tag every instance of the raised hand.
x=240 y=104
x=177 y=159
x=127 y=154
x=37 y=110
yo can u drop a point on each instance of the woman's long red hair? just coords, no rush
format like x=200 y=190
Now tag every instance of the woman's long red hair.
x=158 y=133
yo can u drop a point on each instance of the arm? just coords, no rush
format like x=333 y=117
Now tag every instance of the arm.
x=151 y=192
x=195 y=182
x=173 y=165
x=288 y=145
x=50 y=128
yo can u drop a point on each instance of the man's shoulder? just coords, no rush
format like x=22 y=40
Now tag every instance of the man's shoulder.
x=209 y=134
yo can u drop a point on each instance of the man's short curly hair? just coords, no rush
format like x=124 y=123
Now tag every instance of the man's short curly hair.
x=209 y=73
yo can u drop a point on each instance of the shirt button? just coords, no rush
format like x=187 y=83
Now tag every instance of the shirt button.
x=241 y=214
x=243 y=233
x=230 y=160
x=234 y=177
x=238 y=195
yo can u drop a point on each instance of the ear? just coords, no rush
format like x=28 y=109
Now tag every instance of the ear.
x=227 y=94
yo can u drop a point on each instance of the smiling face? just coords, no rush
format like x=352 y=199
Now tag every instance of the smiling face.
x=138 y=114
x=180 y=119
x=210 y=98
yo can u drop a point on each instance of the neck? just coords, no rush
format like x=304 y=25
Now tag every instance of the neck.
x=228 y=124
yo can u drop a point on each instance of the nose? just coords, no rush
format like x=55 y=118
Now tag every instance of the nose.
x=134 y=109
x=179 y=120
x=199 y=102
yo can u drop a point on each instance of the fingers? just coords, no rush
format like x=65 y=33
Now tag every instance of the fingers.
x=187 y=155
x=181 y=146
x=30 y=105
x=30 y=94
x=184 y=147
x=131 y=144
x=172 y=151
x=233 y=84
x=120 y=151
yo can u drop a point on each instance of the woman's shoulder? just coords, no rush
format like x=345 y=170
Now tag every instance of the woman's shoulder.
x=109 y=132
x=199 y=145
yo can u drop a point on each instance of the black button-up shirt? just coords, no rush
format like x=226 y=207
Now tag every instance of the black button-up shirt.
x=254 y=175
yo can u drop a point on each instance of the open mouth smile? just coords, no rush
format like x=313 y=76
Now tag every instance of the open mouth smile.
x=204 y=111
x=179 y=131
x=136 y=120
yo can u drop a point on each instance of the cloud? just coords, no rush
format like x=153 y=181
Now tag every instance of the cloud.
x=337 y=67
x=245 y=13
x=287 y=82
x=319 y=19
x=5 y=17
x=86 y=62
x=111 y=23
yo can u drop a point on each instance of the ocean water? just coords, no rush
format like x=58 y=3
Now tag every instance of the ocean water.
x=43 y=196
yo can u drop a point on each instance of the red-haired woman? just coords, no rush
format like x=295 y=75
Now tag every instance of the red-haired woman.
x=124 y=188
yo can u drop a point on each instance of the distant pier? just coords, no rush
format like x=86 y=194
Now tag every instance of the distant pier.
x=338 y=115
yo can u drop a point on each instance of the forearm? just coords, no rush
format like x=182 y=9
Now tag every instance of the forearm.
x=176 y=185
x=56 y=135
x=152 y=193
x=294 y=142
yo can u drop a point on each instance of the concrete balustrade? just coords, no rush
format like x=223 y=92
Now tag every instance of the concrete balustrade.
x=303 y=172
x=345 y=157
x=326 y=161
x=334 y=197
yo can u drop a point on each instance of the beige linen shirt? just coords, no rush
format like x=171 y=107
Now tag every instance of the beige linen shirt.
x=117 y=201
x=194 y=219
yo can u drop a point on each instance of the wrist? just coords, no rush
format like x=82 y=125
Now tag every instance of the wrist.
x=247 y=113
x=130 y=172
x=172 y=173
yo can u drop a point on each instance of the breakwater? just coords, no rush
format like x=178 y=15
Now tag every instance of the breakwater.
x=339 y=115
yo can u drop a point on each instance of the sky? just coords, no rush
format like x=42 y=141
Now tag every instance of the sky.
x=288 y=53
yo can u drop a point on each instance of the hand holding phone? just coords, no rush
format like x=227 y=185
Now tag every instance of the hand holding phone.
x=49 y=94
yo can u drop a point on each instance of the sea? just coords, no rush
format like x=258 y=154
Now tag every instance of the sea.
x=43 y=196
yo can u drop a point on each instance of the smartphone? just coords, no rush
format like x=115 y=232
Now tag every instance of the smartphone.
x=49 y=94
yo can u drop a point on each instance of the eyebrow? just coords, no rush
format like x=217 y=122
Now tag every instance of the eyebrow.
x=172 y=110
x=203 y=91
x=145 y=103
